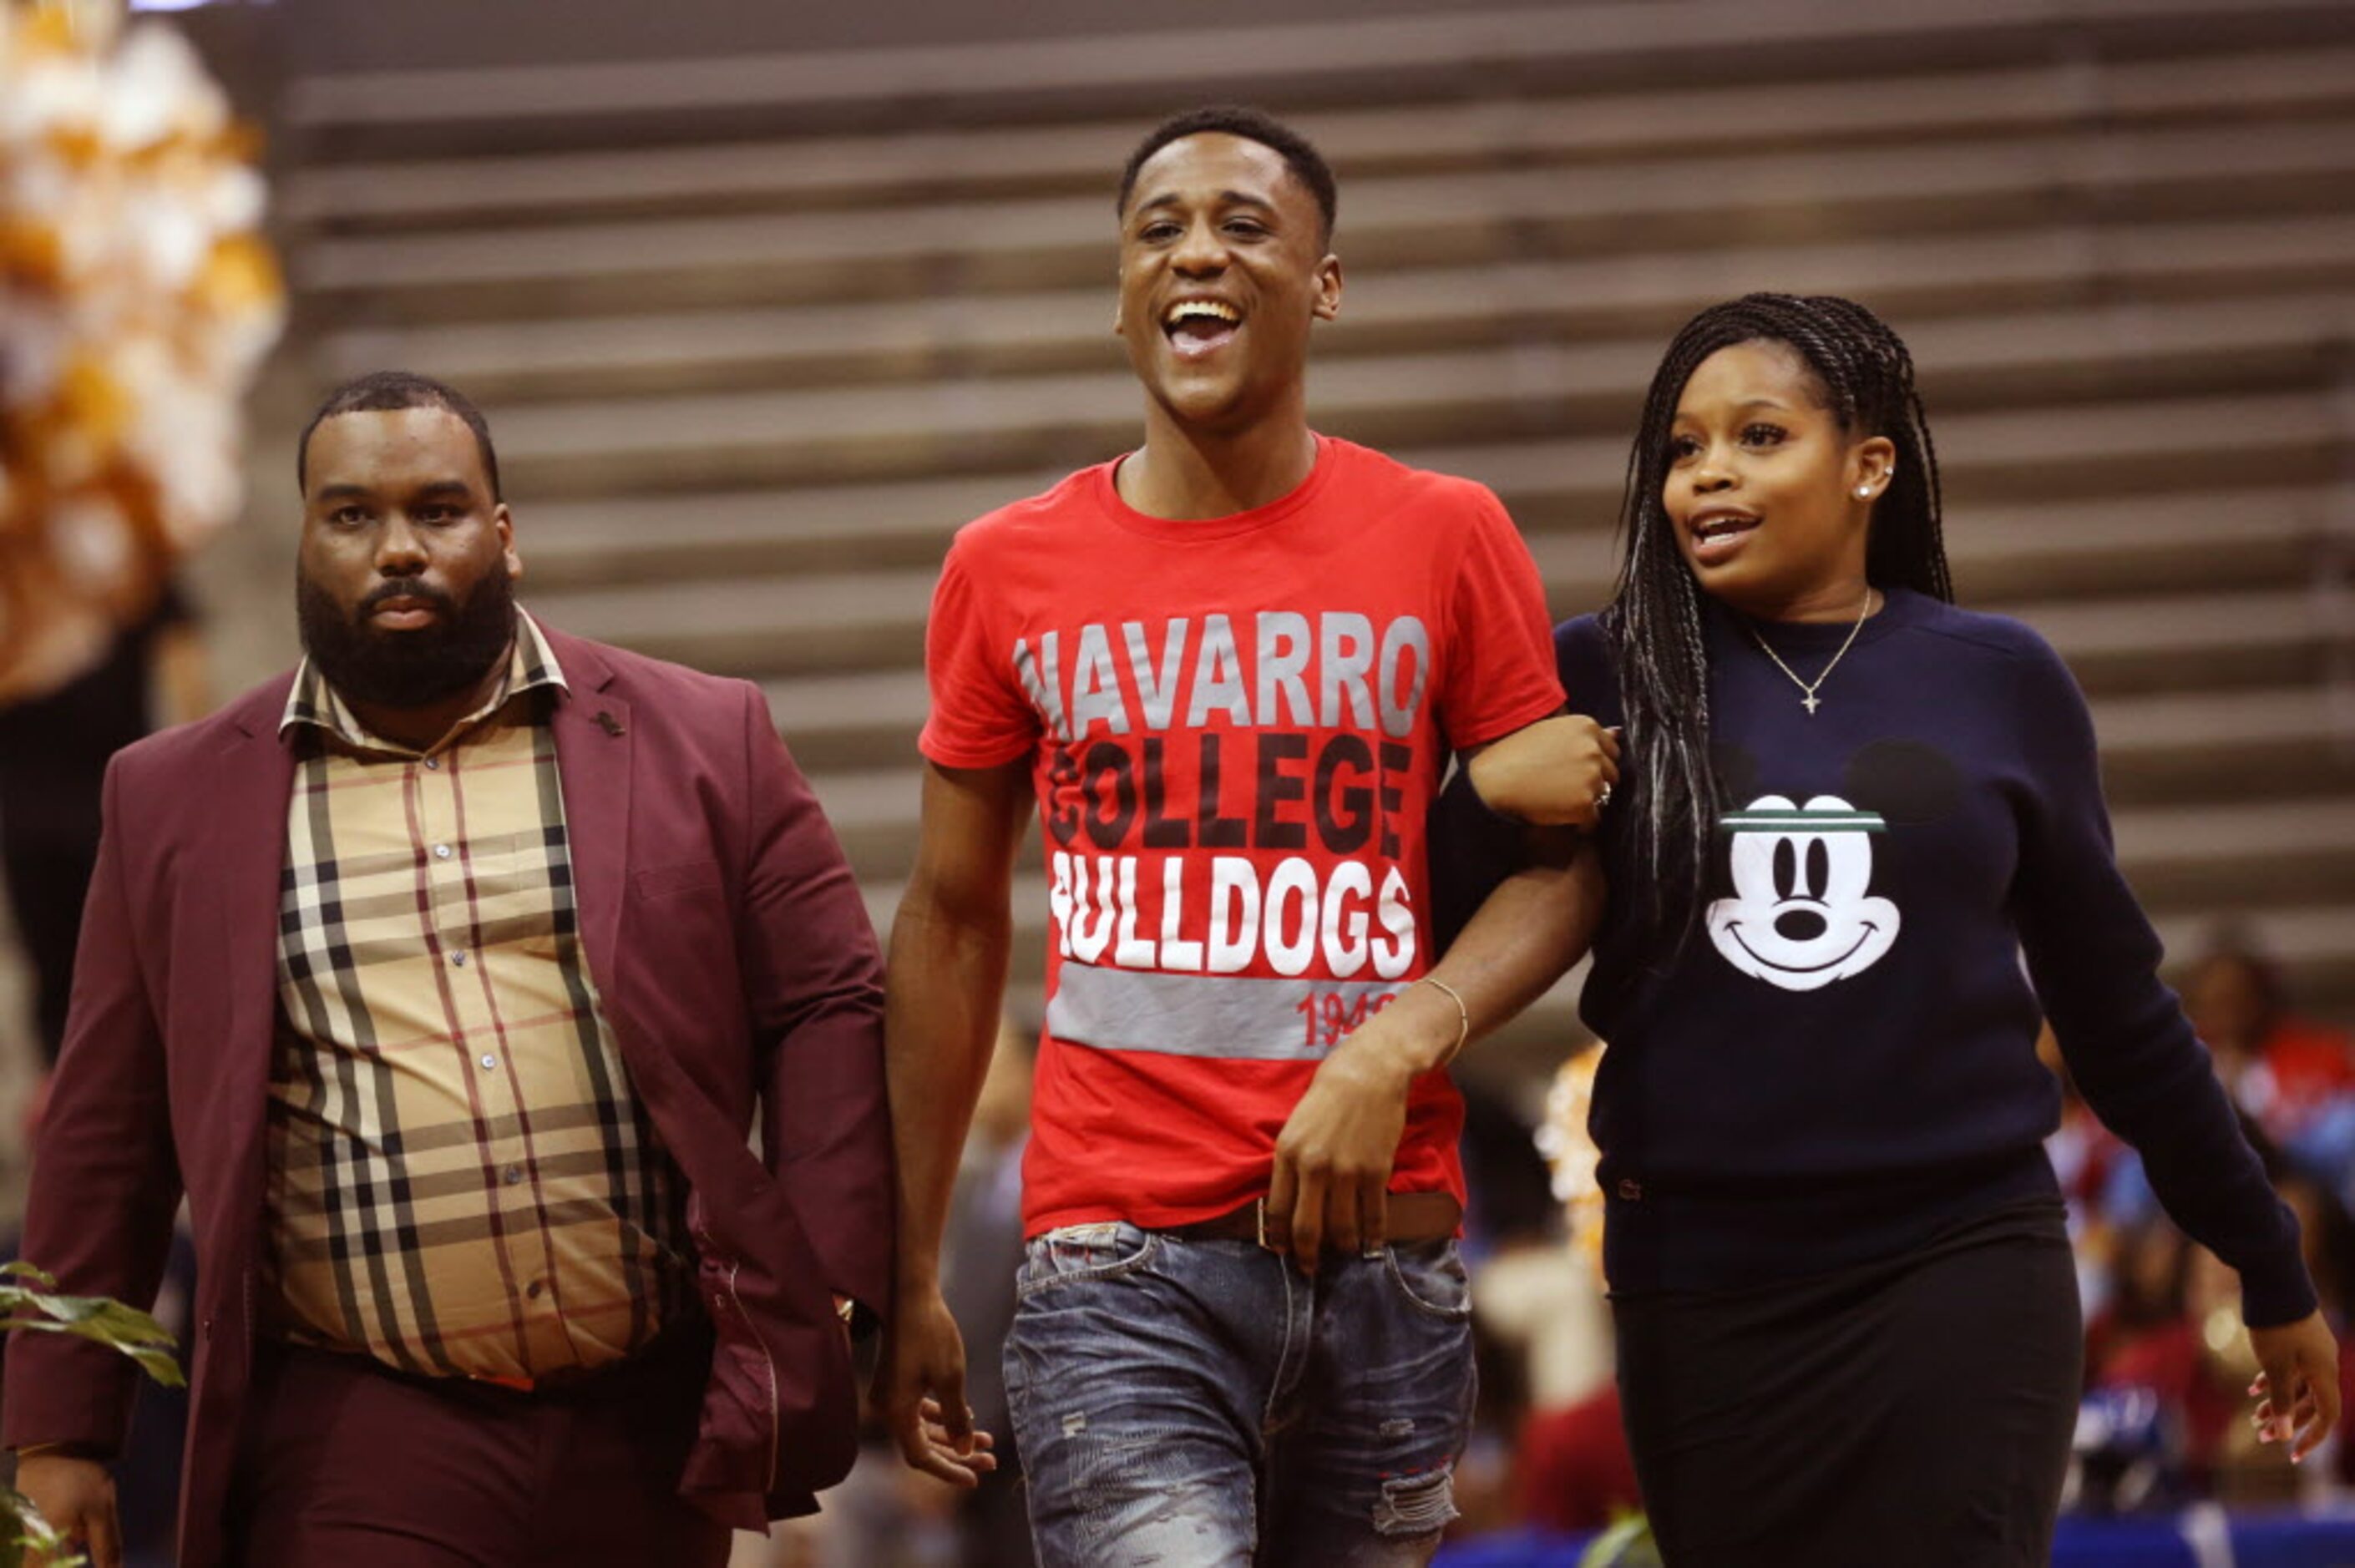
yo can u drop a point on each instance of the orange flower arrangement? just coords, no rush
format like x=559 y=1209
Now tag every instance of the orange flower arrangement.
x=137 y=299
x=1569 y=1152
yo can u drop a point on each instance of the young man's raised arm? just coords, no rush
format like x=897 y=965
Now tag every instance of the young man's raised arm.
x=945 y=980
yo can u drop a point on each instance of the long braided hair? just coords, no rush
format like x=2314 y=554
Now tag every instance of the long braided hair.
x=1865 y=376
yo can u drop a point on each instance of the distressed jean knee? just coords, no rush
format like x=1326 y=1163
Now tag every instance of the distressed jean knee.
x=1417 y=1505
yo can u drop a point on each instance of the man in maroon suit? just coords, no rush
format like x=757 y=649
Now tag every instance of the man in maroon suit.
x=445 y=977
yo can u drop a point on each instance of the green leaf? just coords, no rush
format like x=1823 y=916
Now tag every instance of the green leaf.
x=21 y=1525
x=1626 y=1544
x=94 y=1317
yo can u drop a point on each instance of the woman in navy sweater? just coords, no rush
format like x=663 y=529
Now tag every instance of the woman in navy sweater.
x=1849 y=1328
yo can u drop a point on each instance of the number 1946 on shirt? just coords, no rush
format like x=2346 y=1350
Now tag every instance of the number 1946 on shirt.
x=1327 y=1017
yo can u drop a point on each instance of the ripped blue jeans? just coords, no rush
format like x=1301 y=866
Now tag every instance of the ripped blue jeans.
x=1189 y=1403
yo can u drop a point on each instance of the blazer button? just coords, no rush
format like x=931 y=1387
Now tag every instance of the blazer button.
x=1631 y=1190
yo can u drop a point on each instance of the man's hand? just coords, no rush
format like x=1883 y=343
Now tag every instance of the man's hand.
x=1554 y=773
x=920 y=1389
x=77 y=1496
x=2301 y=1358
x=1333 y=1159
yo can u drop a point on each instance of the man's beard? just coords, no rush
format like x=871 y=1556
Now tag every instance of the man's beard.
x=407 y=669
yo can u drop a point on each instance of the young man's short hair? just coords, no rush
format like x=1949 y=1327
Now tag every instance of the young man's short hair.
x=1299 y=154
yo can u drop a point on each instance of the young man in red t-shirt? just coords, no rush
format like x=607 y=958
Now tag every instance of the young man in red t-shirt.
x=1228 y=669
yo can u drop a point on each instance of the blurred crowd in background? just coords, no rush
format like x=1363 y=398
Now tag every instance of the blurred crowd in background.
x=2168 y=1364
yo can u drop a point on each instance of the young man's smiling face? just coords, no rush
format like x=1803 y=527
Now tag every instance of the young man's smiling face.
x=1223 y=268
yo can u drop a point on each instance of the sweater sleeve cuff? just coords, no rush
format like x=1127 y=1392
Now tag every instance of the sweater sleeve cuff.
x=2276 y=1291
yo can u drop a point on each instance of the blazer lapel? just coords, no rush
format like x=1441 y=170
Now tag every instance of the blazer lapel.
x=243 y=849
x=594 y=746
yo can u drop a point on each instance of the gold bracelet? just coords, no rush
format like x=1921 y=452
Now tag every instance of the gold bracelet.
x=1462 y=1019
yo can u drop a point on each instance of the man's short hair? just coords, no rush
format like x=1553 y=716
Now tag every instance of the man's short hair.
x=1299 y=154
x=388 y=391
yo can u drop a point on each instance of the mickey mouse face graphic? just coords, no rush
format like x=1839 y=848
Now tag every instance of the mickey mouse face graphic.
x=1802 y=915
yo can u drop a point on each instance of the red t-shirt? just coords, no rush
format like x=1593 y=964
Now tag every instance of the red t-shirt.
x=1234 y=728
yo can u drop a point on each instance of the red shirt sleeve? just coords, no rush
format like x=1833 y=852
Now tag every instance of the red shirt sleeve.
x=979 y=717
x=1500 y=667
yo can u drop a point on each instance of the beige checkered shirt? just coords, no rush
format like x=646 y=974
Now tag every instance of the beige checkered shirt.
x=461 y=1180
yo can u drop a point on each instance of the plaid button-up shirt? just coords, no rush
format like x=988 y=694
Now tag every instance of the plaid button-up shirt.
x=460 y=1179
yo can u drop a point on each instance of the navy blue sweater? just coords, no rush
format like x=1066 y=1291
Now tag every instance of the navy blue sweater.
x=1841 y=1061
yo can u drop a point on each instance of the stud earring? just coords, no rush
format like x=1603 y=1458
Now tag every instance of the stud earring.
x=1864 y=492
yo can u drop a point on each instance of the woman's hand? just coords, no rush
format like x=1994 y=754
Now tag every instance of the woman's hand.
x=2301 y=1362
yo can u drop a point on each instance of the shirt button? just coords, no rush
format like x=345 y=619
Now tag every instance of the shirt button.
x=535 y=1288
x=489 y=1062
x=440 y=851
x=458 y=958
x=514 y=1174
x=433 y=763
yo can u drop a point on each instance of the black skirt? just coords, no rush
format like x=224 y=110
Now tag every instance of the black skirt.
x=1916 y=1411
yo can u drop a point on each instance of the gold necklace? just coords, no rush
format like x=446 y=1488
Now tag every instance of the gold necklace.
x=1808 y=688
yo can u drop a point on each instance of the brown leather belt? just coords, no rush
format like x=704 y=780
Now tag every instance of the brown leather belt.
x=1412 y=1217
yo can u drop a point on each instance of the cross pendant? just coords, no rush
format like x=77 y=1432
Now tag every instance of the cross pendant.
x=1813 y=703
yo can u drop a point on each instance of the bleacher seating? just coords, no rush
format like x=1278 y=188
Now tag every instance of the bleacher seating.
x=758 y=333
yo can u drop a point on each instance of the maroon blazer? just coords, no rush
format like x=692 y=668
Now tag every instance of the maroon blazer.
x=736 y=965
